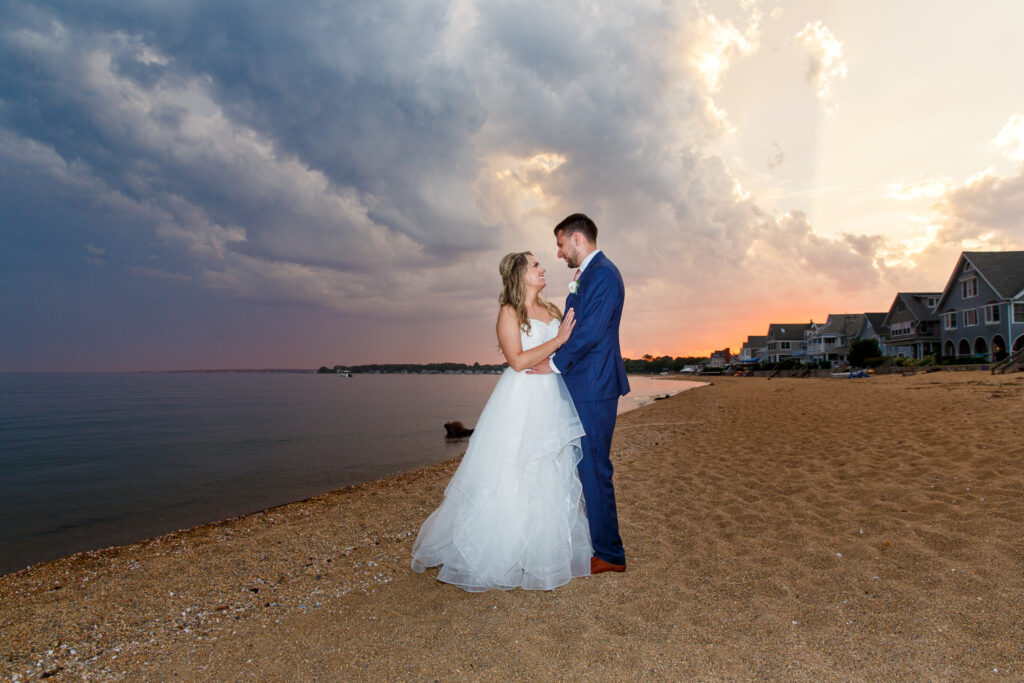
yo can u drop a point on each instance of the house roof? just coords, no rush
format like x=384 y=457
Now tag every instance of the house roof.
x=847 y=324
x=787 y=331
x=755 y=341
x=1002 y=270
x=915 y=305
x=877 y=321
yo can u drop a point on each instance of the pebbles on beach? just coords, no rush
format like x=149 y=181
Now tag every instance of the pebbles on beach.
x=796 y=529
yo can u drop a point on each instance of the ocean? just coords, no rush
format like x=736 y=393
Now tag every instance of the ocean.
x=93 y=460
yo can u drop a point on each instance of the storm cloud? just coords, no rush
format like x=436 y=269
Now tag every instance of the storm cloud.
x=370 y=161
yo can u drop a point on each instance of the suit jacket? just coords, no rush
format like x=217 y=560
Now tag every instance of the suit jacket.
x=591 y=361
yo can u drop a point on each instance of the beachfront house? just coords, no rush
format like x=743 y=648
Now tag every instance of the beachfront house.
x=786 y=340
x=982 y=306
x=721 y=358
x=809 y=333
x=874 y=328
x=754 y=349
x=913 y=325
x=831 y=341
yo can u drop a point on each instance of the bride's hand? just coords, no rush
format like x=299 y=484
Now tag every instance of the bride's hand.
x=565 y=329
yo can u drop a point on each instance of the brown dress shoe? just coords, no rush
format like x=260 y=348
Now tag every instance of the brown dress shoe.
x=597 y=565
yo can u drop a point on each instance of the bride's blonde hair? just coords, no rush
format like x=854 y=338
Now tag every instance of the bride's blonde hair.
x=513 y=291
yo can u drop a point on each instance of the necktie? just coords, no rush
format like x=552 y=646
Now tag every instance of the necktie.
x=578 y=273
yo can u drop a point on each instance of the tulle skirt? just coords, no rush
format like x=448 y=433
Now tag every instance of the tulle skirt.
x=513 y=515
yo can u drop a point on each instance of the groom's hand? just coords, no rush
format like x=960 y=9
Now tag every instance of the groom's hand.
x=541 y=368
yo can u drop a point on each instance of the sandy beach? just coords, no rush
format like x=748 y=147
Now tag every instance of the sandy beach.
x=783 y=529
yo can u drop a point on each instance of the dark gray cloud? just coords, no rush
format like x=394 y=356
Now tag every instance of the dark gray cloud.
x=357 y=93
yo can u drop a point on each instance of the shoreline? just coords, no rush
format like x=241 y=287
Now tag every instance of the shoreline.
x=643 y=401
x=782 y=529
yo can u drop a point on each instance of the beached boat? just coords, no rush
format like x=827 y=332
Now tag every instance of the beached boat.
x=852 y=374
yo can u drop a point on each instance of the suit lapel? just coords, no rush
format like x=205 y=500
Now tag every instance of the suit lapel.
x=594 y=262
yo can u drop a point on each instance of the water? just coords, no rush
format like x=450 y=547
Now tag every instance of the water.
x=92 y=460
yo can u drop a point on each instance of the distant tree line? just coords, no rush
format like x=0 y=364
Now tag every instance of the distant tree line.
x=410 y=368
x=647 y=364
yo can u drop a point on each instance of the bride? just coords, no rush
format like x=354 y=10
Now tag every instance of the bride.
x=513 y=515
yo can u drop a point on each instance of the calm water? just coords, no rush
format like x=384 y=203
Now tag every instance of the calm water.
x=92 y=460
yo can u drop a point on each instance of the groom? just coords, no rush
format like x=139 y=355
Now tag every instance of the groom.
x=591 y=365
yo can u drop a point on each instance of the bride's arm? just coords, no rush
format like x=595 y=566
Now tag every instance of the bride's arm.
x=511 y=342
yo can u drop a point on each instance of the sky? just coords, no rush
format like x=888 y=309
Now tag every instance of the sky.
x=220 y=184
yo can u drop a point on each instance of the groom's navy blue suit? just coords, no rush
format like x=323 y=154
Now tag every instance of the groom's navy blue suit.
x=591 y=365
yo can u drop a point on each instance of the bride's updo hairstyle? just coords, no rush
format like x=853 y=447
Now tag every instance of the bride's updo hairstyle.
x=513 y=290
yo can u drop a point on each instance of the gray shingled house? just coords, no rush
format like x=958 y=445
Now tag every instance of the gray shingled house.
x=875 y=328
x=785 y=340
x=832 y=340
x=913 y=325
x=982 y=306
x=753 y=349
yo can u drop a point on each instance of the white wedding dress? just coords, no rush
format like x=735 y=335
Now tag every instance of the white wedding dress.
x=513 y=514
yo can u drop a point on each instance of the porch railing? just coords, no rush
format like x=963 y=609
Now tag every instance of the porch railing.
x=1014 y=360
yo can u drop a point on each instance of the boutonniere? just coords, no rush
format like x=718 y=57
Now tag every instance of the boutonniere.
x=574 y=287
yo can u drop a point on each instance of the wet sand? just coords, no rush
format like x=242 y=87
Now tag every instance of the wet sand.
x=787 y=529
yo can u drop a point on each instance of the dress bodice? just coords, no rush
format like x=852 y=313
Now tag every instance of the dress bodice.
x=539 y=333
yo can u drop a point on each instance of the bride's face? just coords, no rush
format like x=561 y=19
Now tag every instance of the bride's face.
x=534 y=273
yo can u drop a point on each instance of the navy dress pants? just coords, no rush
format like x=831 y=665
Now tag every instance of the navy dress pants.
x=598 y=418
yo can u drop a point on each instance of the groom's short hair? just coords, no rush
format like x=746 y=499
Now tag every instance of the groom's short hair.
x=580 y=223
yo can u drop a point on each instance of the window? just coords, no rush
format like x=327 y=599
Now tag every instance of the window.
x=949 y=320
x=1018 y=313
x=901 y=305
x=992 y=313
x=969 y=288
x=970 y=317
x=784 y=345
x=968 y=267
x=898 y=329
x=932 y=300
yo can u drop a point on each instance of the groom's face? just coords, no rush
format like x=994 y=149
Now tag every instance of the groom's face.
x=569 y=248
